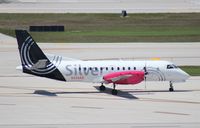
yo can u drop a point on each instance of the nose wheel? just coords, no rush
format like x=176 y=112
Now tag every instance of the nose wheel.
x=171 y=88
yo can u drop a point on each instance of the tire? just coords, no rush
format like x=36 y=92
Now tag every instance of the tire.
x=171 y=89
x=102 y=88
x=114 y=92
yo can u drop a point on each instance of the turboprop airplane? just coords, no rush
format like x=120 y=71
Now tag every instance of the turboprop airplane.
x=117 y=72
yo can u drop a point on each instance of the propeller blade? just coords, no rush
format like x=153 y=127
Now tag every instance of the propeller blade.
x=145 y=73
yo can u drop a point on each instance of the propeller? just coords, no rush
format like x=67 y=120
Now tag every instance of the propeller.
x=145 y=73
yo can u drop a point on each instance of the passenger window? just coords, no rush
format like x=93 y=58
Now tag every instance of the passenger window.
x=123 y=68
x=129 y=68
x=118 y=68
x=106 y=68
x=134 y=68
x=112 y=68
x=85 y=68
x=79 y=68
x=101 y=68
x=96 y=68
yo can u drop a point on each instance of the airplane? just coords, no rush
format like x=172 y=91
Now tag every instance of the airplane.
x=116 y=72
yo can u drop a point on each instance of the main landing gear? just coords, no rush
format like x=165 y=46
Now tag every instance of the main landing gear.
x=103 y=88
x=114 y=91
x=171 y=88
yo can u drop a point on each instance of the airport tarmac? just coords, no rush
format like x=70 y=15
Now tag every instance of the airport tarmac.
x=99 y=6
x=27 y=101
x=58 y=104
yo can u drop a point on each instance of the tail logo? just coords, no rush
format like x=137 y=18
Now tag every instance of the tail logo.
x=27 y=62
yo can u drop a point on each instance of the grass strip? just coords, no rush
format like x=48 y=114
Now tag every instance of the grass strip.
x=191 y=70
x=165 y=27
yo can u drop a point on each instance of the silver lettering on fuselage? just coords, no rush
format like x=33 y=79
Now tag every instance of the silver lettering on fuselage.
x=79 y=70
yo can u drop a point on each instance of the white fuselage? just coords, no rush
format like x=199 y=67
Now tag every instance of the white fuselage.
x=35 y=62
x=93 y=71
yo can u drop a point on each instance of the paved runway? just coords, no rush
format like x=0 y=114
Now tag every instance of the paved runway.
x=59 y=104
x=179 y=53
x=100 y=6
x=29 y=102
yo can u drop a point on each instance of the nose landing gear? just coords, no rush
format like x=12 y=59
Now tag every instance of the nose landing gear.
x=171 y=88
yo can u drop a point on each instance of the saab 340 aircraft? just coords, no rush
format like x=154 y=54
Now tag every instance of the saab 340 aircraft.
x=117 y=72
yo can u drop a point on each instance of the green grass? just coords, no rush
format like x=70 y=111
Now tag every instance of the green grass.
x=191 y=70
x=108 y=27
x=137 y=32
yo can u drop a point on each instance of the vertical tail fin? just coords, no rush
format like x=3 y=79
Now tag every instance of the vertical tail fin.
x=33 y=60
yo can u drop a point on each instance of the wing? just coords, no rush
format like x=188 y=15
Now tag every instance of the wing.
x=124 y=77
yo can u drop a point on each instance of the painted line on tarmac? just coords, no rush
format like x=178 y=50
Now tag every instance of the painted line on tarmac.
x=172 y=113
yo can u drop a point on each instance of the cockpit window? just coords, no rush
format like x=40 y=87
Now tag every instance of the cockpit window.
x=174 y=66
x=171 y=66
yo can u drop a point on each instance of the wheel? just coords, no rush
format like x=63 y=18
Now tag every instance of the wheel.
x=171 y=89
x=114 y=92
x=102 y=88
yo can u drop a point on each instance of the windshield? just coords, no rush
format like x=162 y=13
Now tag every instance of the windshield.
x=171 y=66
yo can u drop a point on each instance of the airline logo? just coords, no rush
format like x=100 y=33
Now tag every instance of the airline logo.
x=27 y=62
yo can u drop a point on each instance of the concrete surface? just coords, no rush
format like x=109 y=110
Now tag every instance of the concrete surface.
x=100 y=6
x=82 y=105
x=179 y=53
x=29 y=102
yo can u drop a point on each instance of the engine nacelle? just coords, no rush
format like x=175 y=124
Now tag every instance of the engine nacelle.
x=125 y=77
